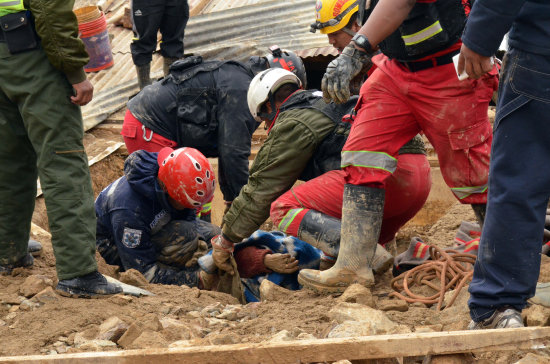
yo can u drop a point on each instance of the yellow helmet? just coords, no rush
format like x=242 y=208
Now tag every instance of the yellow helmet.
x=333 y=15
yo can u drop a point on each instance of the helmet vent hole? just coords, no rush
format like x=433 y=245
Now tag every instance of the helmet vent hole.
x=200 y=193
x=196 y=204
x=197 y=166
x=171 y=155
x=199 y=180
x=207 y=174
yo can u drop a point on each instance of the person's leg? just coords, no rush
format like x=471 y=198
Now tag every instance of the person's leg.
x=17 y=185
x=172 y=28
x=507 y=267
x=383 y=125
x=146 y=19
x=136 y=136
x=453 y=116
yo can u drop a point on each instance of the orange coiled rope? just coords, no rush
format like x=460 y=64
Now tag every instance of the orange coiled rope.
x=451 y=268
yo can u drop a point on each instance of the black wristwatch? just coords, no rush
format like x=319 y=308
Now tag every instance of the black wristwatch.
x=362 y=42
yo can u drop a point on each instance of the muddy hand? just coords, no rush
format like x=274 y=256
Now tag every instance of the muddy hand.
x=281 y=263
x=221 y=252
x=339 y=73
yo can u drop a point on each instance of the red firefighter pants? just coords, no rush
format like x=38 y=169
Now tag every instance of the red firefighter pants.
x=406 y=191
x=137 y=136
x=396 y=104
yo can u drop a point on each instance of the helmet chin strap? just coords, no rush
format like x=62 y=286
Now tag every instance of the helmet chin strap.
x=348 y=31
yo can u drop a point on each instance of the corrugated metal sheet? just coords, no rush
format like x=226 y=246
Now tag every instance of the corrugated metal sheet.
x=226 y=29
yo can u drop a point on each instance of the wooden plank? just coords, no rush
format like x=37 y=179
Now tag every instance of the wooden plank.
x=307 y=351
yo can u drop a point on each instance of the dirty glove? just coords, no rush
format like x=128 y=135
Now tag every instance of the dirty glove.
x=221 y=252
x=177 y=252
x=339 y=73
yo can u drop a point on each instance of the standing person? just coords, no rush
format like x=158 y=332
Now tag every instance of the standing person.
x=42 y=86
x=414 y=88
x=148 y=17
x=202 y=104
x=508 y=263
x=305 y=139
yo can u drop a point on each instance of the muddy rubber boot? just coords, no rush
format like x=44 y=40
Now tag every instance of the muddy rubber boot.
x=362 y=212
x=91 y=285
x=479 y=211
x=166 y=62
x=35 y=248
x=144 y=75
x=26 y=261
x=323 y=232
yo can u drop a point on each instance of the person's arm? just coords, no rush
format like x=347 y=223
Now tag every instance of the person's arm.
x=487 y=24
x=277 y=166
x=57 y=27
x=386 y=17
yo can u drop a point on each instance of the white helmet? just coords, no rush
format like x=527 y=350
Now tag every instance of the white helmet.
x=264 y=85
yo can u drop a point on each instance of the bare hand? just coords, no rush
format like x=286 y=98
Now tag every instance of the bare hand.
x=84 y=93
x=281 y=263
x=475 y=64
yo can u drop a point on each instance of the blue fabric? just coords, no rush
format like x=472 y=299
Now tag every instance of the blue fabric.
x=276 y=241
x=527 y=20
x=508 y=263
x=130 y=210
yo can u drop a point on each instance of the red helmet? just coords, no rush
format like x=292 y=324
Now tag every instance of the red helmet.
x=187 y=176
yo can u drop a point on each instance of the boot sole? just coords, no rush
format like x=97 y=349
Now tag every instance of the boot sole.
x=76 y=294
x=320 y=288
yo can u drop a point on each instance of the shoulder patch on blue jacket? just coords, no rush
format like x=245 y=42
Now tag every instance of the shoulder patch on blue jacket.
x=131 y=238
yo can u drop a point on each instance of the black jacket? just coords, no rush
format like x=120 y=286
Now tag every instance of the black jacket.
x=202 y=104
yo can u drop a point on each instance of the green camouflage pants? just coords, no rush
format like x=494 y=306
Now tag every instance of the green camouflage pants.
x=41 y=135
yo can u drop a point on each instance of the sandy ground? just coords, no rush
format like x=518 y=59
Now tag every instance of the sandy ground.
x=57 y=324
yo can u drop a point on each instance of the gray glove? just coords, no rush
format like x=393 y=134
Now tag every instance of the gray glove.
x=339 y=73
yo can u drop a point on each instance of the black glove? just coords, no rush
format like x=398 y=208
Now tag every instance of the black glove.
x=339 y=73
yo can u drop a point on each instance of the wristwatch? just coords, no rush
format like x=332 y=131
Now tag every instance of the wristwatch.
x=362 y=42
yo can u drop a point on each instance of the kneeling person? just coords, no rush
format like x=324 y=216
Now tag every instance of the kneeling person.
x=146 y=219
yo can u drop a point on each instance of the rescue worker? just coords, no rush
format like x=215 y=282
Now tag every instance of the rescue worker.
x=202 y=104
x=43 y=84
x=508 y=264
x=414 y=88
x=304 y=142
x=148 y=17
x=340 y=32
x=146 y=220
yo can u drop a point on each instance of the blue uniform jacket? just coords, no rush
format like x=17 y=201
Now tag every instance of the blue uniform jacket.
x=527 y=20
x=130 y=210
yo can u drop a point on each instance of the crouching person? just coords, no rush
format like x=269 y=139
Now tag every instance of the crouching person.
x=146 y=219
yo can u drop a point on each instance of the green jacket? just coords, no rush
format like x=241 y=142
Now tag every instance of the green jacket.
x=57 y=28
x=290 y=144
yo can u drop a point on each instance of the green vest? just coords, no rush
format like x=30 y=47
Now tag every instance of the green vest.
x=11 y=6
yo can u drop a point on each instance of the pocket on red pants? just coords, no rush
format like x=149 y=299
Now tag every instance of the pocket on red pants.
x=129 y=131
x=470 y=136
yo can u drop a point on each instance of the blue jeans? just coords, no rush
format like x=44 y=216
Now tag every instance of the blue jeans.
x=508 y=263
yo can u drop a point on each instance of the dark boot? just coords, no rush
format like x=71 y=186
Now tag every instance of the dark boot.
x=91 y=285
x=144 y=75
x=323 y=232
x=479 y=211
x=26 y=261
x=362 y=212
x=35 y=248
x=167 y=61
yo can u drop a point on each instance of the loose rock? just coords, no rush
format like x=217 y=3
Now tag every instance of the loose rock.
x=537 y=315
x=283 y=335
x=269 y=291
x=34 y=284
x=223 y=339
x=533 y=359
x=378 y=320
x=47 y=295
x=357 y=293
x=149 y=339
x=112 y=329
x=133 y=332
x=134 y=278
x=393 y=305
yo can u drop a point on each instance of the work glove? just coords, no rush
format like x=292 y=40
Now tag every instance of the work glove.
x=177 y=253
x=339 y=73
x=222 y=249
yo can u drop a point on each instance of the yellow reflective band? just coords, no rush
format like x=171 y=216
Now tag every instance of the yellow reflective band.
x=463 y=192
x=423 y=34
x=206 y=208
x=11 y=6
x=287 y=220
x=368 y=159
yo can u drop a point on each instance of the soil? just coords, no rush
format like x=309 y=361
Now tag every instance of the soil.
x=53 y=326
